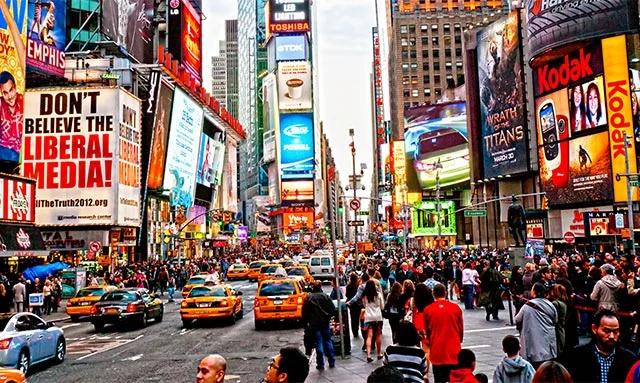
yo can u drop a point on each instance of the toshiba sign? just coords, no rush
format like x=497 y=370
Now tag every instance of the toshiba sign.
x=288 y=16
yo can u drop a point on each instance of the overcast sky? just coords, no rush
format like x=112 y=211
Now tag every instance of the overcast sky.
x=345 y=56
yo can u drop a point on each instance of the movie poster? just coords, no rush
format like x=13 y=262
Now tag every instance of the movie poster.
x=204 y=172
x=13 y=38
x=502 y=104
x=129 y=23
x=46 y=36
x=160 y=137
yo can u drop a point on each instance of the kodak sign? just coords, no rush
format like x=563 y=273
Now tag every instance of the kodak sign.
x=614 y=52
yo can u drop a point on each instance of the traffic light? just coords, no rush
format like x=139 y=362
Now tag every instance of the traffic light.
x=341 y=205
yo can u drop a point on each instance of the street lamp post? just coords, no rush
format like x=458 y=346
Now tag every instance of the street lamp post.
x=354 y=186
x=438 y=208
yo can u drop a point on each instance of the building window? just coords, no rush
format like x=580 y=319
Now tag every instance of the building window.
x=436 y=79
x=425 y=41
x=403 y=29
x=447 y=28
x=404 y=42
x=424 y=28
x=459 y=64
x=458 y=39
x=435 y=41
x=425 y=79
x=405 y=54
x=435 y=53
x=405 y=80
x=415 y=93
x=414 y=66
x=414 y=80
x=412 y=29
x=427 y=92
x=407 y=105
x=434 y=27
x=438 y=92
x=447 y=52
x=412 y=41
x=414 y=54
x=425 y=54
x=425 y=66
x=406 y=93
x=405 y=67
x=458 y=52
x=436 y=65
x=448 y=65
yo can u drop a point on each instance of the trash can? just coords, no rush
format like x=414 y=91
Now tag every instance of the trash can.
x=335 y=329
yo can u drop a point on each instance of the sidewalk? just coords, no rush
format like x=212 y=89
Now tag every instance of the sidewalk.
x=484 y=338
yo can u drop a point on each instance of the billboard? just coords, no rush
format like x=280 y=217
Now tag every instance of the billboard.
x=294 y=86
x=502 y=103
x=298 y=220
x=231 y=176
x=436 y=143
x=270 y=116
x=552 y=23
x=129 y=23
x=296 y=150
x=288 y=16
x=204 y=171
x=297 y=193
x=218 y=161
x=291 y=48
x=46 y=36
x=13 y=27
x=160 y=136
x=182 y=149
x=82 y=145
x=17 y=200
x=424 y=218
x=185 y=36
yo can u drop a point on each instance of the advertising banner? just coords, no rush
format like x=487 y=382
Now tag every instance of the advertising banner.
x=74 y=239
x=13 y=38
x=218 y=161
x=17 y=200
x=182 y=150
x=204 y=174
x=294 y=220
x=573 y=220
x=502 y=110
x=288 y=16
x=297 y=193
x=160 y=136
x=129 y=23
x=614 y=52
x=296 y=150
x=600 y=223
x=83 y=148
x=399 y=171
x=535 y=228
x=46 y=37
x=270 y=116
x=185 y=36
x=552 y=23
x=425 y=218
x=231 y=176
x=436 y=143
x=294 y=86
x=291 y=48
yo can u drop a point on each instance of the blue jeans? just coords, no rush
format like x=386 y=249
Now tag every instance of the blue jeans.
x=324 y=345
x=468 y=296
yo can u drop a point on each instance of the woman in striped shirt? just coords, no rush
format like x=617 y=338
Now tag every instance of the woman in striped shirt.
x=407 y=355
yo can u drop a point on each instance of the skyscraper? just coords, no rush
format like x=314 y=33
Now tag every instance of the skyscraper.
x=231 y=31
x=219 y=75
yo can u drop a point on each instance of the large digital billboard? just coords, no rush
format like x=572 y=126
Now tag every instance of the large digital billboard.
x=425 y=218
x=46 y=37
x=129 y=23
x=13 y=27
x=160 y=136
x=553 y=23
x=297 y=193
x=291 y=48
x=296 y=151
x=436 y=143
x=270 y=116
x=88 y=173
x=185 y=36
x=182 y=150
x=502 y=103
x=294 y=86
x=288 y=16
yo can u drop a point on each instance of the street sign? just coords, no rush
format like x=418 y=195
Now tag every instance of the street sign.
x=475 y=213
x=354 y=204
x=634 y=182
x=355 y=223
x=363 y=213
x=569 y=237
x=95 y=246
x=619 y=221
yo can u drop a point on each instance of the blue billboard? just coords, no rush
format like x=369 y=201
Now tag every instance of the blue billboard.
x=296 y=146
x=291 y=48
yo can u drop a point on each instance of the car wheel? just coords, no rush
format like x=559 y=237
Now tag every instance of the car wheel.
x=74 y=318
x=98 y=326
x=24 y=362
x=232 y=319
x=186 y=323
x=144 y=322
x=259 y=325
x=61 y=350
x=241 y=313
x=159 y=317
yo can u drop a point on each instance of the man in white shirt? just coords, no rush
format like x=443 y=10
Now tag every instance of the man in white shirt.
x=470 y=279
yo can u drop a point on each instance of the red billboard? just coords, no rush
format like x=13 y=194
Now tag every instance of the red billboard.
x=185 y=36
x=17 y=199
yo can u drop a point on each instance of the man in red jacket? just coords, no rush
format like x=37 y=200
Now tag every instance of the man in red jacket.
x=445 y=328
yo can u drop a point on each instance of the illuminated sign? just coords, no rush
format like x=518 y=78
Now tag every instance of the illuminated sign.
x=289 y=16
x=291 y=48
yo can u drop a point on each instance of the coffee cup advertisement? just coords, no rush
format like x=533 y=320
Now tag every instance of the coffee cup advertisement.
x=294 y=86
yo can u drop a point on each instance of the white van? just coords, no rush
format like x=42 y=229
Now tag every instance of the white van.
x=321 y=265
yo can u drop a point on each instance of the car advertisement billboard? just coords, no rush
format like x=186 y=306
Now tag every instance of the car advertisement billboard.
x=296 y=151
x=17 y=199
x=288 y=16
x=185 y=36
x=502 y=103
x=46 y=36
x=291 y=48
x=553 y=23
x=160 y=136
x=296 y=193
x=182 y=150
x=294 y=86
x=83 y=148
x=436 y=143
x=13 y=38
x=425 y=218
x=129 y=23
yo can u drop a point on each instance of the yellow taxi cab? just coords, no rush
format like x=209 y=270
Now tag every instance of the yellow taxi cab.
x=287 y=263
x=81 y=303
x=237 y=271
x=270 y=271
x=254 y=269
x=300 y=273
x=212 y=302
x=278 y=299
x=10 y=375
x=196 y=280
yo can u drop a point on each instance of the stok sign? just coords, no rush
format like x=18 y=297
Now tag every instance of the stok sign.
x=583 y=63
x=291 y=47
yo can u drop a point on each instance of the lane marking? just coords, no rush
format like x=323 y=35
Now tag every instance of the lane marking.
x=133 y=358
x=111 y=348
x=477 y=346
x=490 y=329
x=70 y=325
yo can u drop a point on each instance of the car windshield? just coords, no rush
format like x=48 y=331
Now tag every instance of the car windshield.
x=253 y=265
x=268 y=269
x=299 y=272
x=207 y=292
x=238 y=267
x=196 y=281
x=89 y=293
x=277 y=288
x=124 y=296
x=440 y=142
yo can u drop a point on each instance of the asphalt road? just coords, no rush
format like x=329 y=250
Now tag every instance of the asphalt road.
x=167 y=352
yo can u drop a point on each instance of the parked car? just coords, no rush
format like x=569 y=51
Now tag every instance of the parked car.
x=130 y=305
x=26 y=340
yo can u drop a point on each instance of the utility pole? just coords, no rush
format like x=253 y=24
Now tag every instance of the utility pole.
x=629 y=194
x=405 y=216
x=332 y=219
x=438 y=208
x=355 y=196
